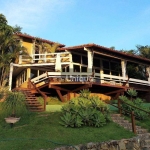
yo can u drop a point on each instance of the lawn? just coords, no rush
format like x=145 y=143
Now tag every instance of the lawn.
x=37 y=131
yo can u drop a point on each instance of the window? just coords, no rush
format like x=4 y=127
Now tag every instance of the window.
x=84 y=60
x=76 y=58
x=106 y=64
x=83 y=69
x=96 y=62
x=76 y=68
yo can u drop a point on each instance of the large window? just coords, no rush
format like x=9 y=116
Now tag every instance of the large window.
x=76 y=58
x=84 y=60
x=111 y=67
x=96 y=62
x=76 y=68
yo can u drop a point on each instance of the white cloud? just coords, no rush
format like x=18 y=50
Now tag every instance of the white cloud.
x=31 y=14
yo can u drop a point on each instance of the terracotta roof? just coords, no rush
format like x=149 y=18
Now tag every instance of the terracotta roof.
x=98 y=47
x=32 y=37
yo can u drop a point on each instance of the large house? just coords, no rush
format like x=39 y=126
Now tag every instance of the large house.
x=51 y=68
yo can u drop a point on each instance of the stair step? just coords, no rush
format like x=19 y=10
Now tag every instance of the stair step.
x=31 y=101
x=30 y=104
x=37 y=110
x=115 y=115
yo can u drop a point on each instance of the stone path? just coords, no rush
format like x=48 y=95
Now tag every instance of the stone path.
x=143 y=136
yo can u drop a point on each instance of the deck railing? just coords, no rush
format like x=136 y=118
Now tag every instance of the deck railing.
x=45 y=58
x=87 y=77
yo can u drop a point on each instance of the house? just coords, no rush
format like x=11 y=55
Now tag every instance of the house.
x=53 y=68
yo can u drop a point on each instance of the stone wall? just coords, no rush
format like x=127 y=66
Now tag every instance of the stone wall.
x=136 y=143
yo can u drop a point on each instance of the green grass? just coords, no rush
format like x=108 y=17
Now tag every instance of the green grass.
x=53 y=108
x=144 y=123
x=37 y=131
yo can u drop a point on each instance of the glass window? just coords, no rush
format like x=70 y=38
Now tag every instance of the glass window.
x=84 y=60
x=105 y=64
x=83 y=69
x=76 y=68
x=76 y=58
x=96 y=62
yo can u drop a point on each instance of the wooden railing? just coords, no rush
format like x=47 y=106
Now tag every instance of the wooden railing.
x=45 y=58
x=132 y=115
x=99 y=78
x=31 y=84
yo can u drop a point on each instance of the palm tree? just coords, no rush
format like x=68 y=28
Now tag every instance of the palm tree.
x=9 y=47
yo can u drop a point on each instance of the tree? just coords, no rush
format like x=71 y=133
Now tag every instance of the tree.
x=144 y=51
x=135 y=70
x=10 y=47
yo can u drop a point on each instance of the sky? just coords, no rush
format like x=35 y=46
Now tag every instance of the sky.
x=122 y=24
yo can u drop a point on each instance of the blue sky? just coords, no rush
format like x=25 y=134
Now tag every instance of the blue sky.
x=119 y=23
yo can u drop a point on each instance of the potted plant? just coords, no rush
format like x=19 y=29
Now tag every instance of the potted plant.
x=13 y=106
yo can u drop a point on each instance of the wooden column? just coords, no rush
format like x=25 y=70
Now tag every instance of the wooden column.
x=123 y=67
x=68 y=96
x=90 y=59
x=10 y=76
x=101 y=71
x=58 y=63
x=71 y=64
x=33 y=51
x=28 y=73
x=148 y=72
x=60 y=95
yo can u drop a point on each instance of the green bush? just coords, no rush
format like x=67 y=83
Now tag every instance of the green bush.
x=14 y=104
x=85 y=110
x=53 y=101
x=137 y=102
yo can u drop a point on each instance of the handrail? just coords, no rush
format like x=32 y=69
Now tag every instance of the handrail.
x=119 y=108
x=132 y=112
x=43 y=95
x=134 y=106
x=132 y=116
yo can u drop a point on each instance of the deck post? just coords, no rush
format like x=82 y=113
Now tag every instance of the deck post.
x=58 y=63
x=10 y=76
x=68 y=96
x=90 y=59
x=33 y=51
x=133 y=122
x=123 y=67
x=60 y=95
x=119 y=106
x=148 y=73
x=101 y=71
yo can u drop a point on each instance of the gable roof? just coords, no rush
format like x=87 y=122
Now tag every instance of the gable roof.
x=32 y=37
x=106 y=50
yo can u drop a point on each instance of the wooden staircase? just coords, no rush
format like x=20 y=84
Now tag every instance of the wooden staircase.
x=31 y=101
x=141 y=133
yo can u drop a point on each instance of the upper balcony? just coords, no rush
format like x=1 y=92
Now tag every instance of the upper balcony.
x=50 y=58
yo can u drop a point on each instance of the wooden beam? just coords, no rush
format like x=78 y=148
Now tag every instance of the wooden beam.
x=68 y=96
x=58 y=88
x=116 y=91
x=60 y=95
x=116 y=96
x=82 y=87
x=42 y=86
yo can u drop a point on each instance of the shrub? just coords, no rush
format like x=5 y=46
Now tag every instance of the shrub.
x=85 y=110
x=53 y=101
x=137 y=102
x=14 y=104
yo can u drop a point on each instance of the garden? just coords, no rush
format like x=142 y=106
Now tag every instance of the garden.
x=82 y=120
